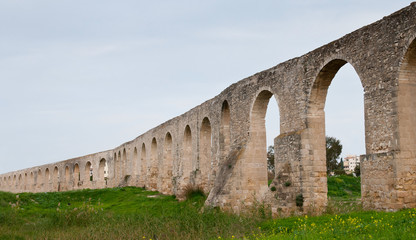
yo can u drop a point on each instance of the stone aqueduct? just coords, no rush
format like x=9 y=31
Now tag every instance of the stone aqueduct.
x=220 y=144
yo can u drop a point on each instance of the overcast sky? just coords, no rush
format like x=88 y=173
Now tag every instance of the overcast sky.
x=79 y=77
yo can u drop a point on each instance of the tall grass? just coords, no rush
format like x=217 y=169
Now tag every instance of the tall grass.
x=134 y=213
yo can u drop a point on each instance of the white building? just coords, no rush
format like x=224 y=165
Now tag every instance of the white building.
x=350 y=162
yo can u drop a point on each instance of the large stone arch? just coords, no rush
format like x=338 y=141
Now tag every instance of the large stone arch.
x=254 y=178
x=315 y=121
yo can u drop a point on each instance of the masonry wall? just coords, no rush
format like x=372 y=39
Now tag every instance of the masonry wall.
x=220 y=145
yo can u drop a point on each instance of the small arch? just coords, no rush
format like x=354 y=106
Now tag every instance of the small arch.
x=124 y=164
x=187 y=155
x=135 y=161
x=47 y=177
x=167 y=165
x=143 y=163
x=20 y=182
x=39 y=178
x=88 y=172
x=67 y=175
x=225 y=132
x=31 y=181
x=120 y=166
x=76 y=175
x=103 y=171
x=154 y=165
x=56 y=178
x=23 y=184
x=115 y=163
x=205 y=151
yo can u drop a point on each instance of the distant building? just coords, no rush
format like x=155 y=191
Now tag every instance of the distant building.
x=350 y=162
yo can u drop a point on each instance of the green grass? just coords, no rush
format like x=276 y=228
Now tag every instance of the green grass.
x=118 y=213
x=134 y=213
x=344 y=186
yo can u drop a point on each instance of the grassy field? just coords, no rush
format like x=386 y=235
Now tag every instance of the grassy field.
x=133 y=213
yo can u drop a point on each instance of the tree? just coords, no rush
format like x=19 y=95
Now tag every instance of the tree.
x=333 y=150
x=270 y=159
x=357 y=170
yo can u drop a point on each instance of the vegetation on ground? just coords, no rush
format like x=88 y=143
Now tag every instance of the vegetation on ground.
x=134 y=213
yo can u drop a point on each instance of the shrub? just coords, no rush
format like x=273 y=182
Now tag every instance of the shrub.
x=190 y=191
x=299 y=200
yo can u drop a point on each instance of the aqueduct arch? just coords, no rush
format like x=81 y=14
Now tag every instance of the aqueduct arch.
x=316 y=126
x=103 y=172
x=231 y=125
x=187 y=156
x=205 y=154
x=143 y=165
x=76 y=175
x=154 y=166
x=167 y=166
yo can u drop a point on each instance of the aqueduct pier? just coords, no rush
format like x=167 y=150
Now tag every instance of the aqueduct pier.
x=220 y=145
